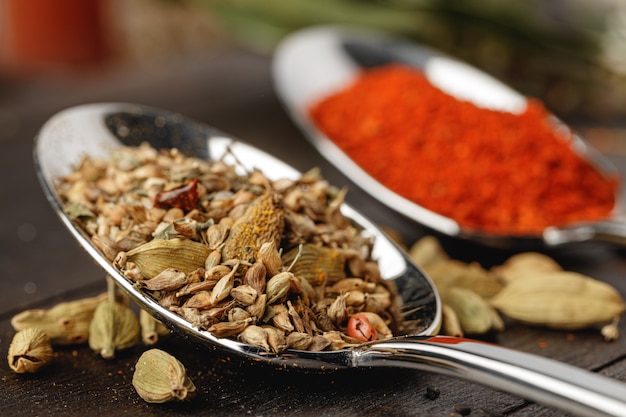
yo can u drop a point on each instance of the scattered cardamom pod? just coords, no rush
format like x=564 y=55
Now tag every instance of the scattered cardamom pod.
x=30 y=350
x=159 y=377
x=475 y=315
x=65 y=323
x=427 y=251
x=158 y=254
x=525 y=263
x=610 y=331
x=450 y=322
x=114 y=327
x=561 y=299
x=454 y=273
x=151 y=328
x=445 y=272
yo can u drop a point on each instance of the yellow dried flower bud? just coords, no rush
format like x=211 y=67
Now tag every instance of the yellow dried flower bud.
x=262 y=222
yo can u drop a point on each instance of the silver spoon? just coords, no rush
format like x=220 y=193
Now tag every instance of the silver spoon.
x=96 y=129
x=316 y=62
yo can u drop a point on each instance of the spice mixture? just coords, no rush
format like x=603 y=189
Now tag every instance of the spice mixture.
x=272 y=263
x=491 y=171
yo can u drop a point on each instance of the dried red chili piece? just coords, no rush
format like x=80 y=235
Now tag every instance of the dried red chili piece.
x=184 y=197
x=360 y=328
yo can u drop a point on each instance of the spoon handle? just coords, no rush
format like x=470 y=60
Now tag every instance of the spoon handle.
x=607 y=231
x=532 y=377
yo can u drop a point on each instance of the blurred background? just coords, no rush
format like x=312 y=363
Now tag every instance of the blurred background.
x=569 y=53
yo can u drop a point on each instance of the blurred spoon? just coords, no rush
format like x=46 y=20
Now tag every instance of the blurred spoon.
x=96 y=129
x=314 y=63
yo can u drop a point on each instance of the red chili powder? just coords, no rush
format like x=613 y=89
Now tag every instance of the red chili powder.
x=491 y=171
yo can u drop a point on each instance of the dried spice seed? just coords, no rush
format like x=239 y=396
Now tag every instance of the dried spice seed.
x=270 y=258
x=255 y=336
x=167 y=280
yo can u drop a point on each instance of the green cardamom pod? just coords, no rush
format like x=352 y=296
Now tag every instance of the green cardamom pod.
x=65 y=323
x=114 y=327
x=159 y=377
x=157 y=255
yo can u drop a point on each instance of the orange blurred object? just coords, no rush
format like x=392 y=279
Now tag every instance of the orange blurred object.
x=45 y=34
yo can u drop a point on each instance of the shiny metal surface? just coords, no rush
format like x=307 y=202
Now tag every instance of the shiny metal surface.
x=315 y=62
x=98 y=128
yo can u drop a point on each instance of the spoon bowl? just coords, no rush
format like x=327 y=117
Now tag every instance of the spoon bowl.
x=97 y=129
x=314 y=63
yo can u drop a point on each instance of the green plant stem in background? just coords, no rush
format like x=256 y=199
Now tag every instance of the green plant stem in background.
x=554 y=51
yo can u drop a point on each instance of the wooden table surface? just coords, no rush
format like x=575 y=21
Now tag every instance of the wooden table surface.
x=230 y=89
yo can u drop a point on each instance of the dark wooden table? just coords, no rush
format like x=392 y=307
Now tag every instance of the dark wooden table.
x=42 y=265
